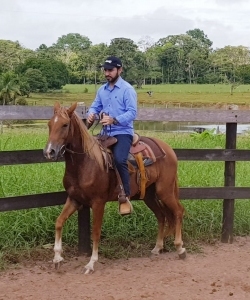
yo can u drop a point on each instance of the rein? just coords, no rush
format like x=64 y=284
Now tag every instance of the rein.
x=65 y=149
x=103 y=132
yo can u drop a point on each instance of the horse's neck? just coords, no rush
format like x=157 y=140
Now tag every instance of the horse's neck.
x=75 y=141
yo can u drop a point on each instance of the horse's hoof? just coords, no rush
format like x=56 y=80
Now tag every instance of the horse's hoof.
x=183 y=255
x=58 y=265
x=88 y=271
x=156 y=252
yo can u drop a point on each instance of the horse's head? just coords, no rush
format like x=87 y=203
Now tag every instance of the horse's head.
x=59 y=126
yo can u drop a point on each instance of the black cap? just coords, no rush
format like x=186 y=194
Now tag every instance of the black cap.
x=112 y=62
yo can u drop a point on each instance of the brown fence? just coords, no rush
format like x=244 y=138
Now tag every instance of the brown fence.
x=229 y=155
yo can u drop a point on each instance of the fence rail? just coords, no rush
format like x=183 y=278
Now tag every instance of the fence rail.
x=229 y=155
x=144 y=114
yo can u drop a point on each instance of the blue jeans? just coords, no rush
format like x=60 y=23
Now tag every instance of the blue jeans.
x=120 y=152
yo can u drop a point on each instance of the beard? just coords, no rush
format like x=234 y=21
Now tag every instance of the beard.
x=112 y=79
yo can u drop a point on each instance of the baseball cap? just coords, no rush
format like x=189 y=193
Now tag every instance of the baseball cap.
x=112 y=62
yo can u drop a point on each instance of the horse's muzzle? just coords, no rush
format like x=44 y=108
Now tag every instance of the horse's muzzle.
x=52 y=153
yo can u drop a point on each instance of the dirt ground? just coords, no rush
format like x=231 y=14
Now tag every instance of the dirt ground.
x=222 y=271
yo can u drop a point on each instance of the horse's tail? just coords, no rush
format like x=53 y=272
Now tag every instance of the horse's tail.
x=169 y=215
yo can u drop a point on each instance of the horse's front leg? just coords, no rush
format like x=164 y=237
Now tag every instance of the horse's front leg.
x=98 y=210
x=69 y=208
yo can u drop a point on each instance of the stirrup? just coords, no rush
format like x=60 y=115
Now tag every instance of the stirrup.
x=122 y=198
x=125 y=208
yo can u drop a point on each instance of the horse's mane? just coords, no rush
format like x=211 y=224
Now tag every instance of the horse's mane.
x=89 y=143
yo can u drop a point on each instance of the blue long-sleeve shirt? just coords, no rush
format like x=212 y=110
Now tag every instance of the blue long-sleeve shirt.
x=119 y=102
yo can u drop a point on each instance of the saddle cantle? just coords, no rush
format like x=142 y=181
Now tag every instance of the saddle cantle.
x=143 y=152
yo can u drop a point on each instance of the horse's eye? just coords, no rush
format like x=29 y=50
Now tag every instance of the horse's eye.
x=65 y=125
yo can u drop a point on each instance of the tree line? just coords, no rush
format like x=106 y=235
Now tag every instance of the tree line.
x=184 y=58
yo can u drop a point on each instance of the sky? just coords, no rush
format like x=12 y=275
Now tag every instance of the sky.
x=36 y=22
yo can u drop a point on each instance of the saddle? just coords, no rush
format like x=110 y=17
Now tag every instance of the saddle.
x=143 y=152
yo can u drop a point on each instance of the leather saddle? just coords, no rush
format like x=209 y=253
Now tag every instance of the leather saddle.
x=148 y=148
x=143 y=152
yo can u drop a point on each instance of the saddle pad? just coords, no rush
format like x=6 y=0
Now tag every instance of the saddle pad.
x=158 y=151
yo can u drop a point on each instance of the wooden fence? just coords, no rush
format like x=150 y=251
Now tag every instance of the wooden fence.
x=229 y=155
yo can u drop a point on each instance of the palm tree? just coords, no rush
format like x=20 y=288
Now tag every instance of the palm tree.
x=9 y=89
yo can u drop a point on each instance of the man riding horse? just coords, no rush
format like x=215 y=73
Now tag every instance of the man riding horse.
x=117 y=102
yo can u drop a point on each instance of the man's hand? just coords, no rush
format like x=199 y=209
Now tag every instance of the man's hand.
x=107 y=120
x=91 y=118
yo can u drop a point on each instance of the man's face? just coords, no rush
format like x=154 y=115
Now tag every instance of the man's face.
x=112 y=75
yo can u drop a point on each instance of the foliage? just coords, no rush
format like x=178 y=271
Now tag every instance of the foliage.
x=12 y=54
x=200 y=36
x=37 y=82
x=72 y=41
x=206 y=134
x=54 y=71
x=181 y=58
x=126 y=49
x=9 y=89
x=22 y=101
x=243 y=74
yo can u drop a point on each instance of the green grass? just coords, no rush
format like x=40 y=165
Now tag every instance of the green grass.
x=24 y=230
x=172 y=95
x=167 y=88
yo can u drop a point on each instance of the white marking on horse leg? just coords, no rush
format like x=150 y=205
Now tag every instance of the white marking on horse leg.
x=179 y=248
x=157 y=249
x=159 y=241
x=58 y=250
x=90 y=266
x=178 y=237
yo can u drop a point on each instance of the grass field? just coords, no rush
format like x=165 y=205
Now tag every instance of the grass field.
x=175 y=95
x=27 y=230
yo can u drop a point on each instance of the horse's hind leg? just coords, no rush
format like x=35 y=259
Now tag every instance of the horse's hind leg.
x=69 y=208
x=173 y=211
x=151 y=201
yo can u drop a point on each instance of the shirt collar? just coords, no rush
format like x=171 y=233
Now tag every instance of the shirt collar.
x=117 y=84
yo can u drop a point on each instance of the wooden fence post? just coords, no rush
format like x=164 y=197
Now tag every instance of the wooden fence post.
x=229 y=180
x=84 y=247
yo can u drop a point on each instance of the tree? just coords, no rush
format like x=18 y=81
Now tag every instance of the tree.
x=37 y=82
x=182 y=58
x=136 y=73
x=229 y=61
x=92 y=59
x=73 y=41
x=47 y=52
x=8 y=88
x=126 y=49
x=243 y=74
x=54 y=71
x=153 y=73
x=12 y=54
x=200 y=36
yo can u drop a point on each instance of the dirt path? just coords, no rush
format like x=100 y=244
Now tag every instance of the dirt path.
x=220 y=272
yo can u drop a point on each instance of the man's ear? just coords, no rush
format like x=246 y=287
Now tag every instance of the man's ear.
x=120 y=70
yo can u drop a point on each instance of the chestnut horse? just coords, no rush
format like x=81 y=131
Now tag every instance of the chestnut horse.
x=88 y=183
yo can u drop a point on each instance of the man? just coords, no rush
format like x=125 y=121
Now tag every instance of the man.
x=117 y=100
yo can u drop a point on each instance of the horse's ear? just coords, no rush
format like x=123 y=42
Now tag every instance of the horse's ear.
x=71 y=109
x=56 y=106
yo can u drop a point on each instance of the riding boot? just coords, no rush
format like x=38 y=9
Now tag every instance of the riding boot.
x=125 y=206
